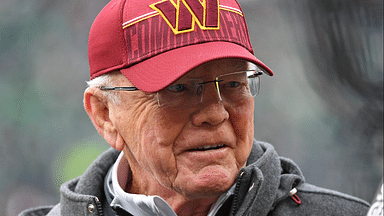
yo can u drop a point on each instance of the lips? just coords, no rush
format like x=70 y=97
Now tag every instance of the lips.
x=208 y=147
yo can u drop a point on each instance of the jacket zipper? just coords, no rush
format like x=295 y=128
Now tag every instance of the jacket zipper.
x=235 y=198
x=99 y=207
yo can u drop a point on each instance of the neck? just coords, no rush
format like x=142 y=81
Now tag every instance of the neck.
x=139 y=181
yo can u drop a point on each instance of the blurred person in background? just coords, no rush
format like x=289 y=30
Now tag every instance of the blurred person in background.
x=172 y=91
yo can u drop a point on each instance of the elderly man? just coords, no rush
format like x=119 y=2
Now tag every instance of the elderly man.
x=172 y=91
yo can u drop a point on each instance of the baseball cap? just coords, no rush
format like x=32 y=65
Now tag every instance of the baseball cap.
x=155 y=42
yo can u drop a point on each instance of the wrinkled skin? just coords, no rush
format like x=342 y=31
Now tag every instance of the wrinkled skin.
x=160 y=143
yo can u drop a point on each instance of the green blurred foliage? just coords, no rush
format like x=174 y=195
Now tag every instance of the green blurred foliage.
x=73 y=160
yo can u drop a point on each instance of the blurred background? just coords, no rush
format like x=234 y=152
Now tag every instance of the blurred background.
x=323 y=108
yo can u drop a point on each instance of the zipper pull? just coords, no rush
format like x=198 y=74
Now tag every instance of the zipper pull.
x=294 y=196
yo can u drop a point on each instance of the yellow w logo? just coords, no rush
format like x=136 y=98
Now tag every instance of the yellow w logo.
x=182 y=15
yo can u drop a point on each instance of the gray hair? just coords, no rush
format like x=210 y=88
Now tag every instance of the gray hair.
x=108 y=79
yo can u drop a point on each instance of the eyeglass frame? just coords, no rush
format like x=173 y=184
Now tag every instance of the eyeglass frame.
x=133 y=88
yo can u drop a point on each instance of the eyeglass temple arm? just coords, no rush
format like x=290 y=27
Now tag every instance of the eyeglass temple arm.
x=256 y=75
x=130 y=88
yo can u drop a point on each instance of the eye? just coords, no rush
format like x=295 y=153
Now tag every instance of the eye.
x=233 y=84
x=177 y=88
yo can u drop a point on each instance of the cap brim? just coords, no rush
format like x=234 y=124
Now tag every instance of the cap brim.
x=156 y=73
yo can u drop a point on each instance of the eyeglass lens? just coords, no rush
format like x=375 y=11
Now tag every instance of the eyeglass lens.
x=232 y=88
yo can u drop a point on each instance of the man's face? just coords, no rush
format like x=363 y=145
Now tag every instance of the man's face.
x=164 y=141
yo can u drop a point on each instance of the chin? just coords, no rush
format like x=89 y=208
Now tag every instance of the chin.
x=209 y=186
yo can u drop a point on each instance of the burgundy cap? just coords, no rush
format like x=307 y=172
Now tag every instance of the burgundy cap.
x=155 y=42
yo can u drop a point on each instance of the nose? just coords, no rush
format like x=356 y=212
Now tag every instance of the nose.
x=211 y=110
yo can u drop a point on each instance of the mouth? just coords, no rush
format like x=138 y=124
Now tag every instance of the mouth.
x=208 y=147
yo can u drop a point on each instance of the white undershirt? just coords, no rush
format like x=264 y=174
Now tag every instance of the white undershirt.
x=142 y=205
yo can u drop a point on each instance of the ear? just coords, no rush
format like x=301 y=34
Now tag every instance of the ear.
x=97 y=108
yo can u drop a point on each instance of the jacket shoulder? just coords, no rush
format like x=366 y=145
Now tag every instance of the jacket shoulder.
x=38 y=211
x=319 y=201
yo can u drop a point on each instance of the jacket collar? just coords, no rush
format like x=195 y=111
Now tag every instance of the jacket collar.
x=266 y=180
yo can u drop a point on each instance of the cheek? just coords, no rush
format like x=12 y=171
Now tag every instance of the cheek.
x=155 y=133
x=158 y=127
x=241 y=118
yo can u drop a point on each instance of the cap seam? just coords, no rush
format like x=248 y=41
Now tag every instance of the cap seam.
x=121 y=33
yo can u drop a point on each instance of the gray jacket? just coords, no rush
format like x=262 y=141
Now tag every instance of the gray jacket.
x=263 y=188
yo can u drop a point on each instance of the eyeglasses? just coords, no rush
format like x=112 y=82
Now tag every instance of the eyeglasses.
x=231 y=88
